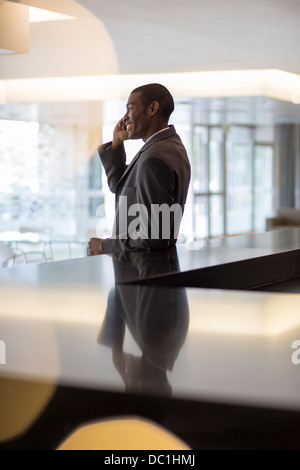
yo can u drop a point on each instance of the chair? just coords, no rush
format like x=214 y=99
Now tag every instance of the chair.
x=43 y=236
x=283 y=219
x=10 y=257
x=130 y=433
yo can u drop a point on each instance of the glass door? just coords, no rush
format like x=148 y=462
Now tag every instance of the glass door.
x=264 y=194
x=239 y=180
x=208 y=181
x=232 y=180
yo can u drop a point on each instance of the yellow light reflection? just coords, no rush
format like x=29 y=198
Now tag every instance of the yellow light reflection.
x=239 y=313
x=55 y=304
x=123 y=434
x=211 y=310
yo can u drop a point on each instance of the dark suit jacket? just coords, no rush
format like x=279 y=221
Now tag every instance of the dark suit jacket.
x=158 y=174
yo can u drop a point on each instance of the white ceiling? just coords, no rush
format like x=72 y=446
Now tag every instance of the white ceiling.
x=158 y=36
x=200 y=35
x=62 y=48
x=161 y=36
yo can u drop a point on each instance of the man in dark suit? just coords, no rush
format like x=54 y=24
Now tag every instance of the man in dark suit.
x=151 y=191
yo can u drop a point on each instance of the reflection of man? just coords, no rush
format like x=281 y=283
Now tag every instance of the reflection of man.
x=158 y=175
x=157 y=320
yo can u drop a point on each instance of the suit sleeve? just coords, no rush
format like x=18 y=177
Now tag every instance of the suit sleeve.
x=156 y=186
x=114 y=163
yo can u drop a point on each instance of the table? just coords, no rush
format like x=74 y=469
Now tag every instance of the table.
x=111 y=336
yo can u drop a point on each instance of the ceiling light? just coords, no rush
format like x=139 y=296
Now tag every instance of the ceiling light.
x=275 y=84
x=38 y=15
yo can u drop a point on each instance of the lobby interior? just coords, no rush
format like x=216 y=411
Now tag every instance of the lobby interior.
x=201 y=341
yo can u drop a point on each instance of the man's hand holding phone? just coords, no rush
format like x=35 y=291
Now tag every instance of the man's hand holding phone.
x=120 y=134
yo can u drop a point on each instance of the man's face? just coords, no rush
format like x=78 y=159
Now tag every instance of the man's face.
x=137 y=119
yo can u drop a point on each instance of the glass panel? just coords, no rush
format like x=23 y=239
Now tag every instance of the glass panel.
x=95 y=172
x=19 y=169
x=96 y=206
x=216 y=160
x=216 y=216
x=239 y=180
x=45 y=175
x=200 y=166
x=263 y=167
x=263 y=185
x=201 y=217
x=181 y=119
x=264 y=134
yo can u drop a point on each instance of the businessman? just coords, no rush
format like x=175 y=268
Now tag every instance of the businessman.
x=150 y=192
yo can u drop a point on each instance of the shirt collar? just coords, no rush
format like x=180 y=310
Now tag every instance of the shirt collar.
x=162 y=130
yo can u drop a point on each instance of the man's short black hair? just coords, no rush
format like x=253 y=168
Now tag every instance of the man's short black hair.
x=156 y=92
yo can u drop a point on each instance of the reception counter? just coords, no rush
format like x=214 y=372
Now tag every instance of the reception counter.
x=200 y=339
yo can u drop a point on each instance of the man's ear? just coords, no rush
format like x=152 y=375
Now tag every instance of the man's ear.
x=154 y=108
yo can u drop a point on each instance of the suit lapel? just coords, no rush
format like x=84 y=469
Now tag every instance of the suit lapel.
x=156 y=138
x=131 y=165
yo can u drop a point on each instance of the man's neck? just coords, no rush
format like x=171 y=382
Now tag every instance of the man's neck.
x=161 y=128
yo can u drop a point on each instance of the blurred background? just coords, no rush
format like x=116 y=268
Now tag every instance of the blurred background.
x=66 y=70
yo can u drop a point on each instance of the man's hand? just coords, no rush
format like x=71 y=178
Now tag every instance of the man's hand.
x=119 y=135
x=95 y=246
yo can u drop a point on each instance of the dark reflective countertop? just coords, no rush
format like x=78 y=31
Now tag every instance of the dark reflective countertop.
x=136 y=266
x=197 y=344
x=94 y=324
